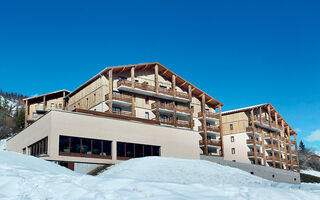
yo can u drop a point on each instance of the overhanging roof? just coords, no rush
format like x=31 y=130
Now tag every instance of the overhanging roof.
x=163 y=71
x=51 y=95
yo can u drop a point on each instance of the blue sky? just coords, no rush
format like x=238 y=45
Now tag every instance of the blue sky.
x=241 y=52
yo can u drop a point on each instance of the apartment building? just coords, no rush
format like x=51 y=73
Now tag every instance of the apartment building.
x=152 y=91
x=37 y=106
x=121 y=113
x=259 y=135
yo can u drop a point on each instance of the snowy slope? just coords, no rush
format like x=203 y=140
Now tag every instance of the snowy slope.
x=26 y=177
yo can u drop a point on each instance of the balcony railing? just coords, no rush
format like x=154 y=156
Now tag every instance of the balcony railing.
x=269 y=158
x=251 y=141
x=123 y=113
x=210 y=128
x=209 y=114
x=170 y=106
x=119 y=97
x=252 y=154
x=269 y=146
x=211 y=142
x=181 y=123
x=146 y=86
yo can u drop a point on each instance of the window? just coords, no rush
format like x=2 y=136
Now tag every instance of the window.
x=52 y=105
x=121 y=78
x=130 y=150
x=163 y=87
x=84 y=147
x=232 y=138
x=75 y=145
x=24 y=151
x=60 y=106
x=147 y=100
x=231 y=126
x=34 y=115
x=233 y=151
x=233 y=160
x=116 y=110
x=87 y=102
x=94 y=98
x=147 y=115
x=38 y=148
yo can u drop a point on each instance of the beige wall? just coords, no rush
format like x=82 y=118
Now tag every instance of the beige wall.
x=33 y=107
x=240 y=145
x=238 y=120
x=180 y=143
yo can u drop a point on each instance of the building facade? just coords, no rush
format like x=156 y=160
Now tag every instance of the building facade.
x=259 y=135
x=37 y=106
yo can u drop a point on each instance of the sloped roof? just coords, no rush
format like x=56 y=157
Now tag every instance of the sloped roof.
x=265 y=105
x=50 y=95
x=163 y=71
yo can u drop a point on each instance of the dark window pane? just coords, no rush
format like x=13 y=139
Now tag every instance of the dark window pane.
x=138 y=150
x=75 y=145
x=64 y=144
x=147 y=150
x=129 y=150
x=120 y=149
x=96 y=147
x=86 y=146
x=107 y=148
x=156 y=151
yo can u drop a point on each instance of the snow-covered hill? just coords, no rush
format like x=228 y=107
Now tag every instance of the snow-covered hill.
x=311 y=172
x=27 y=177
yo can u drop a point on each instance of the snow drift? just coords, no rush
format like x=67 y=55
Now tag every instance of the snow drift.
x=27 y=177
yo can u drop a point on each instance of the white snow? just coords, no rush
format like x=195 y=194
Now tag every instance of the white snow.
x=311 y=172
x=27 y=177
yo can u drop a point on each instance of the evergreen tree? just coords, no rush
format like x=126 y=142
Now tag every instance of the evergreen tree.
x=302 y=146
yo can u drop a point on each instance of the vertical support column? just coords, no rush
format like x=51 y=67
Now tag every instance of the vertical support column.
x=284 y=143
x=26 y=114
x=262 y=138
x=278 y=138
x=174 y=114
x=272 y=149
x=269 y=113
x=64 y=101
x=221 y=130
x=254 y=137
x=157 y=110
x=133 y=105
x=191 y=117
x=290 y=150
x=174 y=86
x=204 y=123
x=190 y=93
x=110 y=90
x=156 y=78
x=296 y=151
x=132 y=77
x=44 y=103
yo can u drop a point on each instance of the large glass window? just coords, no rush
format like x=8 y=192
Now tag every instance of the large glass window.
x=83 y=147
x=96 y=148
x=86 y=146
x=75 y=145
x=130 y=150
x=64 y=144
x=120 y=149
x=138 y=150
x=39 y=148
x=107 y=148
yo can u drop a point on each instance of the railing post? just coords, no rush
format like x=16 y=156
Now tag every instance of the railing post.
x=221 y=130
x=156 y=78
x=110 y=90
x=254 y=138
x=132 y=78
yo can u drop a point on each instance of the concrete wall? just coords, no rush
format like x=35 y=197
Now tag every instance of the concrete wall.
x=173 y=142
x=240 y=146
x=269 y=173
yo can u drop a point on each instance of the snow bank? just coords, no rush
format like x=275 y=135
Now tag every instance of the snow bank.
x=26 y=177
x=3 y=144
x=311 y=172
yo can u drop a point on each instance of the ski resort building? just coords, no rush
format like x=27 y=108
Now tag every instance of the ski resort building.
x=121 y=113
x=259 y=135
x=37 y=106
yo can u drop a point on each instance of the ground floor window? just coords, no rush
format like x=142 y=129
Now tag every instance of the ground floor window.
x=131 y=150
x=39 y=148
x=84 y=147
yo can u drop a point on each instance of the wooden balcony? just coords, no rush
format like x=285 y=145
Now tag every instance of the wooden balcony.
x=211 y=142
x=251 y=141
x=119 y=97
x=170 y=106
x=260 y=155
x=269 y=158
x=123 y=113
x=209 y=114
x=249 y=129
x=209 y=128
x=151 y=88
x=181 y=123
x=269 y=146
x=168 y=121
